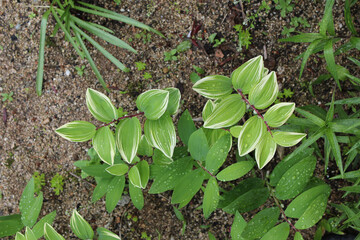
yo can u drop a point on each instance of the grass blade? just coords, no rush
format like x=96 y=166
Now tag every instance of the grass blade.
x=330 y=61
x=102 y=27
x=357 y=62
x=303 y=38
x=348 y=19
x=40 y=70
x=63 y=16
x=307 y=54
x=355 y=100
x=91 y=61
x=100 y=48
x=330 y=113
x=313 y=118
x=327 y=23
x=335 y=148
x=327 y=151
x=353 y=79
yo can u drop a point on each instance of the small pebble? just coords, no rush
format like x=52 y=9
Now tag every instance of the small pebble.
x=67 y=73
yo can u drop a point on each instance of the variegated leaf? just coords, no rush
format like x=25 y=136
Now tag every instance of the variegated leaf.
x=208 y=109
x=174 y=100
x=104 y=144
x=100 y=106
x=153 y=103
x=265 y=150
x=215 y=86
x=250 y=135
x=77 y=131
x=288 y=139
x=139 y=174
x=80 y=226
x=265 y=92
x=278 y=114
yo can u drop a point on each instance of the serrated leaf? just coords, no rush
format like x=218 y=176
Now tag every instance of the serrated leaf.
x=128 y=135
x=287 y=139
x=174 y=100
x=105 y=234
x=248 y=74
x=136 y=195
x=235 y=171
x=265 y=92
x=80 y=227
x=139 y=174
x=279 y=232
x=208 y=109
x=211 y=197
x=278 y=114
x=153 y=103
x=295 y=179
x=215 y=86
x=10 y=224
x=51 y=234
x=77 y=131
x=250 y=135
x=161 y=134
x=186 y=127
x=265 y=150
x=118 y=169
x=198 y=145
x=217 y=154
x=100 y=106
x=104 y=144
x=38 y=228
x=238 y=227
x=226 y=113
x=114 y=193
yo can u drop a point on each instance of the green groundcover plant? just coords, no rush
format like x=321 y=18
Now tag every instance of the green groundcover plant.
x=75 y=30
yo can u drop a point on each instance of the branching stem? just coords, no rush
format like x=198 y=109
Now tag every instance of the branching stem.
x=198 y=162
x=116 y=120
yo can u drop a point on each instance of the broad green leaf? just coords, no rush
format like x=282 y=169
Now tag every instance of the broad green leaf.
x=136 y=195
x=287 y=139
x=215 y=86
x=114 y=193
x=265 y=92
x=10 y=224
x=128 y=135
x=161 y=134
x=303 y=38
x=51 y=234
x=27 y=196
x=139 y=174
x=261 y=223
x=235 y=171
x=250 y=135
x=19 y=236
x=211 y=197
x=80 y=226
x=160 y=159
x=198 y=145
x=95 y=170
x=100 y=106
x=187 y=187
x=279 y=232
x=186 y=127
x=208 y=109
x=226 y=113
x=295 y=179
x=77 y=131
x=335 y=148
x=40 y=69
x=235 y=131
x=238 y=227
x=105 y=234
x=118 y=169
x=248 y=74
x=265 y=150
x=104 y=144
x=29 y=234
x=278 y=114
x=101 y=188
x=153 y=103
x=298 y=236
x=174 y=100
x=217 y=154
x=213 y=135
x=144 y=147
x=38 y=228
x=32 y=209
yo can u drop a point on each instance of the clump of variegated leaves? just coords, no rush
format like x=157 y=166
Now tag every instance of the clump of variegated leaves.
x=225 y=109
x=159 y=131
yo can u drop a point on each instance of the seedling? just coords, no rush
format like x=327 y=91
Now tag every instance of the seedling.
x=215 y=41
x=170 y=56
x=7 y=97
x=146 y=37
x=57 y=183
x=147 y=75
x=39 y=181
x=117 y=2
x=284 y=6
x=195 y=76
x=80 y=70
x=32 y=15
x=244 y=37
x=140 y=66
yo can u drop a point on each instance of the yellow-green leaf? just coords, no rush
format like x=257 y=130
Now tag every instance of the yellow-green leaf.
x=153 y=103
x=265 y=150
x=250 y=135
x=80 y=226
x=77 y=131
x=288 y=139
x=100 y=106
x=235 y=171
x=118 y=169
x=104 y=144
x=278 y=114
x=265 y=92
x=215 y=86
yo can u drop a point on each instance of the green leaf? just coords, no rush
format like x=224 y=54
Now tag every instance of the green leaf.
x=174 y=100
x=80 y=226
x=211 y=197
x=208 y=109
x=136 y=196
x=226 y=113
x=303 y=38
x=235 y=171
x=100 y=106
x=29 y=235
x=139 y=174
x=352 y=189
x=307 y=54
x=40 y=70
x=294 y=180
x=104 y=144
x=105 y=234
x=298 y=236
x=183 y=46
x=51 y=234
x=288 y=139
x=215 y=86
x=327 y=19
x=19 y=236
x=198 y=145
x=170 y=175
x=114 y=193
x=265 y=92
x=235 y=131
x=279 y=232
x=38 y=228
x=330 y=61
x=31 y=210
x=330 y=113
x=9 y=225
x=261 y=223
x=128 y=135
x=313 y=118
x=161 y=134
x=278 y=114
x=265 y=150
x=187 y=187
x=248 y=74
x=96 y=170
x=77 y=131
x=217 y=154
x=160 y=159
x=118 y=169
x=238 y=227
x=144 y=147
x=101 y=188
x=186 y=127
x=335 y=148
x=153 y=103
x=250 y=135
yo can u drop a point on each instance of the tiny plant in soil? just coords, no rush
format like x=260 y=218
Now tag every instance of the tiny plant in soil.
x=140 y=66
x=244 y=37
x=57 y=183
x=39 y=181
x=80 y=70
x=147 y=75
x=7 y=97
x=284 y=6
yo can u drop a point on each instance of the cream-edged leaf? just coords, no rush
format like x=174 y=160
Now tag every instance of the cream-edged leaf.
x=77 y=131
x=104 y=144
x=215 y=86
x=265 y=92
x=174 y=100
x=80 y=226
x=139 y=174
x=265 y=150
x=128 y=135
x=288 y=139
x=278 y=114
x=51 y=234
x=100 y=106
x=118 y=169
x=208 y=109
x=153 y=103
x=250 y=135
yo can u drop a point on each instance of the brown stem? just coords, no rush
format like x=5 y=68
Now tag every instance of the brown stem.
x=116 y=120
x=205 y=169
x=253 y=107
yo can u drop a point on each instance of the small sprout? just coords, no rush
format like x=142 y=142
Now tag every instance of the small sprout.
x=39 y=181
x=212 y=37
x=147 y=75
x=219 y=42
x=7 y=97
x=135 y=219
x=140 y=66
x=80 y=70
x=117 y=2
x=57 y=183
x=32 y=15
x=170 y=56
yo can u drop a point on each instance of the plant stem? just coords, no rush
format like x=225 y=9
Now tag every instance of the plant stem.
x=198 y=162
x=253 y=107
x=116 y=120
